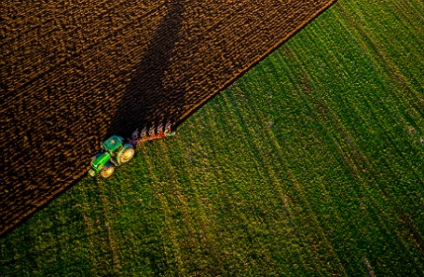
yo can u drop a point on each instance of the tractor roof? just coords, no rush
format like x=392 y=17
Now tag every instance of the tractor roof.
x=113 y=143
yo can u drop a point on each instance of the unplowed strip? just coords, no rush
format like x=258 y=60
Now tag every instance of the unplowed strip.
x=74 y=72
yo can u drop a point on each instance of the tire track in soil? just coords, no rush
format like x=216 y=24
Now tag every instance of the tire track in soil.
x=157 y=66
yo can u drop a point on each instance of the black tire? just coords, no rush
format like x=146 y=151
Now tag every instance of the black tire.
x=107 y=170
x=126 y=155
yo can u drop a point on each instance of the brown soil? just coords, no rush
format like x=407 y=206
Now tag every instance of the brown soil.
x=74 y=72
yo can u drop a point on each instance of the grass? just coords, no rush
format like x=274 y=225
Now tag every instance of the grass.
x=310 y=164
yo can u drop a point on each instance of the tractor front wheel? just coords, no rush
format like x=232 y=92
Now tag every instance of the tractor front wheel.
x=107 y=170
x=126 y=155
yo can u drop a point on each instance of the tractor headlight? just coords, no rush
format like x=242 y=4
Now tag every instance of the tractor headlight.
x=92 y=172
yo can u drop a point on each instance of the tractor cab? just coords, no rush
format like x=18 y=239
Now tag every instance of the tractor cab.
x=112 y=144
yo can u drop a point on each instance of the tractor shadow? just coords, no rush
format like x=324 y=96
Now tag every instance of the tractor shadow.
x=146 y=100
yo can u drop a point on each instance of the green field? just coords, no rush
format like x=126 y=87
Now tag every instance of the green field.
x=312 y=163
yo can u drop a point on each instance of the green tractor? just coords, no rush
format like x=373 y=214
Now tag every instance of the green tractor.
x=115 y=152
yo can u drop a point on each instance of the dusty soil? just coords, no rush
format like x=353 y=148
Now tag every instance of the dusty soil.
x=74 y=72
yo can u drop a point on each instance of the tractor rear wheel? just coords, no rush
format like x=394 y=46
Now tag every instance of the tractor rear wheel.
x=126 y=155
x=107 y=170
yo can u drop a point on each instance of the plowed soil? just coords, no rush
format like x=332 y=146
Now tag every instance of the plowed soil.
x=74 y=72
